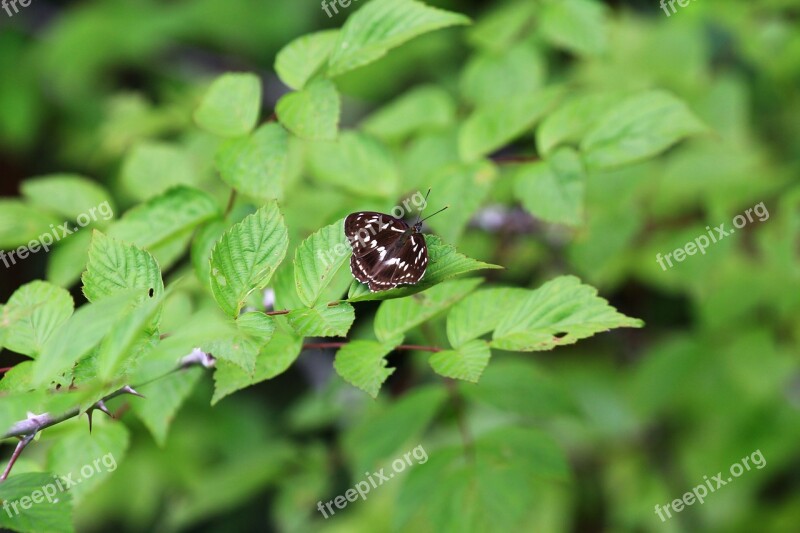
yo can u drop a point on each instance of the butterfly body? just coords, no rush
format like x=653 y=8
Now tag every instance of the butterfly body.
x=387 y=251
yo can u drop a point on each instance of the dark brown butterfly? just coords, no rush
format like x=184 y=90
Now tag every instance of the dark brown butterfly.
x=387 y=251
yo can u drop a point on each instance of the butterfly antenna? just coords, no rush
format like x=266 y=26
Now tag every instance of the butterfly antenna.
x=425 y=202
x=436 y=213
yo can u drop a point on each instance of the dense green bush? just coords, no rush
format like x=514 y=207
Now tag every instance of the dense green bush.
x=179 y=235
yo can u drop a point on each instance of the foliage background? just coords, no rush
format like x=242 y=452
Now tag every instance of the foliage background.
x=641 y=415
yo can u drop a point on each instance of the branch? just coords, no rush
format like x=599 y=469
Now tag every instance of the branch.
x=28 y=428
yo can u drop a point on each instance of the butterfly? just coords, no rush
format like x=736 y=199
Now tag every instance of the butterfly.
x=387 y=251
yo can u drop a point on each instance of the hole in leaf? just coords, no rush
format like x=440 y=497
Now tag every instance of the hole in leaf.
x=151 y=292
x=560 y=334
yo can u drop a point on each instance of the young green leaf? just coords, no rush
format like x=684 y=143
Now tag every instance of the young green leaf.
x=298 y=61
x=273 y=360
x=553 y=190
x=642 y=126
x=480 y=312
x=522 y=69
x=578 y=26
x=203 y=242
x=31 y=315
x=230 y=106
x=492 y=126
x=115 y=266
x=256 y=165
x=322 y=320
x=381 y=25
x=78 y=335
x=70 y=196
x=362 y=363
x=103 y=450
x=503 y=26
x=20 y=224
x=131 y=334
x=68 y=260
x=164 y=225
x=570 y=122
x=356 y=163
x=246 y=257
x=318 y=259
x=53 y=515
x=560 y=312
x=464 y=187
x=164 y=399
x=243 y=343
x=466 y=362
x=421 y=109
x=378 y=436
x=395 y=317
x=520 y=387
x=150 y=168
x=313 y=112
x=443 y=263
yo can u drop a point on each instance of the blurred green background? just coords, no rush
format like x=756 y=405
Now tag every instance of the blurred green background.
x=712 y=377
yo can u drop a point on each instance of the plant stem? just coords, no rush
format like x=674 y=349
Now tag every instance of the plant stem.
x=407 y=347
x=17 y=451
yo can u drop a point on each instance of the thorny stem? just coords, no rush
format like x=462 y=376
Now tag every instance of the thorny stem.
x=17 y=451
x=27 y=429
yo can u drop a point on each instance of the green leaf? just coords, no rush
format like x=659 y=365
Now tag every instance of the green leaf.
x=70 y=196
x=379 y=436
x=150 y=168
x=495 y=491
x=163 y=399
x=76 y=453
x=31 y=315
x=20 y=224
x=256 y=165
x=68 y=260
x=575 y=25
x=503 y=26
x=369 y=33
x=299 y=60
x=203 y=242
x=554 y=189
x=318 y=259
x=115 y=267
x=479 y=313
x=492 y=126
x=560 y=312
x=356 y=163
x=443 y=263
x=362 y=363
x=164 y=225
x=78 y=335
x=246 y=257
x=313 y=112
x=53 y=514
x=395 y=317
x=521 y=68
x=322 y=320
x=572 y=120
x=230 y=106
x=274 y=359
x=243 y=344
x=132 y=333
x=466 y=362
x=640 y=127
x=464 y=187
x=421 y=109
x=519 y=387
